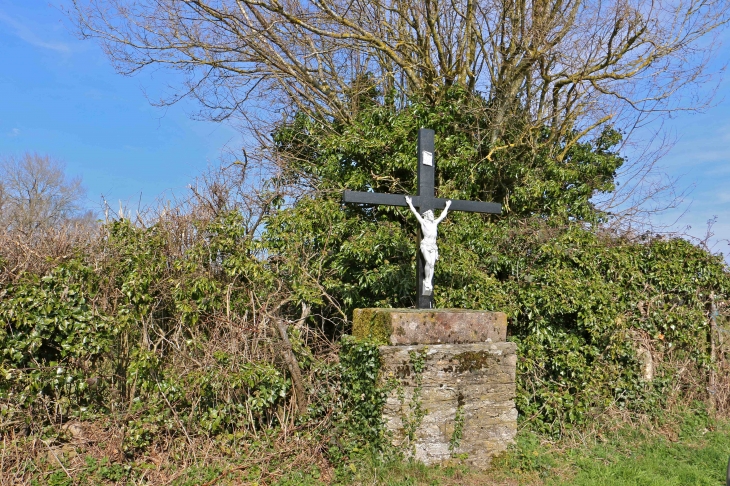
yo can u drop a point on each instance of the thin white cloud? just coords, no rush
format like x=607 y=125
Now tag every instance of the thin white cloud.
x=719 y=171
x=26 y=33
x=724 y=132
x=14 y=132
x=721 y=196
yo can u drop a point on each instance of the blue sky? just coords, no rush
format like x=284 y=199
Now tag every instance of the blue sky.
x=700 y=162
x=60 y=96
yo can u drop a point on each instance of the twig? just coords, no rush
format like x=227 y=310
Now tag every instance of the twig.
x=59 y=461
x=174 y=412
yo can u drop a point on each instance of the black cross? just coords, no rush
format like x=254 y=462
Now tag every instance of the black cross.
x=425 y=199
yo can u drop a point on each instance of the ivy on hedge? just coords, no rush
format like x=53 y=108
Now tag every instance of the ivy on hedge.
x=50 y=337
x=360 y=423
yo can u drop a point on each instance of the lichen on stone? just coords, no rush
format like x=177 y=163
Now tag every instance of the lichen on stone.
x=472 y=361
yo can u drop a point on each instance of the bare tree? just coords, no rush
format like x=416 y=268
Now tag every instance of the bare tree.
x=36 y=194
x=567 y=63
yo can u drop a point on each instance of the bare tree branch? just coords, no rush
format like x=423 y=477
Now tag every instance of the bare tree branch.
x=568 y=63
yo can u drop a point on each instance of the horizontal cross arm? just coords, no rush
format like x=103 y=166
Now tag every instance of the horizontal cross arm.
x=376 y=198
x=470 y=206
x=421 y=201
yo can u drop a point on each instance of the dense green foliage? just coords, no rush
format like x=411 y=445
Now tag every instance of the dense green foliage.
x=50 y=338
x=585 y=306
x=360 y=428
x=582 y=305
x=138 y=332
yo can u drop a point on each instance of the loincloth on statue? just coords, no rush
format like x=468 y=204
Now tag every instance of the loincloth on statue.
x=429 y=248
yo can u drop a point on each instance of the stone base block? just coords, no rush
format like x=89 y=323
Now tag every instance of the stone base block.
x=453 y=400
x=428 y=326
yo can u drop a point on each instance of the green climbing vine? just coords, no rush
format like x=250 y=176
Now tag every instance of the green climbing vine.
x=363 y=398
x=458 y=432
x=413 y=420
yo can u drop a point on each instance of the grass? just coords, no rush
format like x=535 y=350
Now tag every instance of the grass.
x=684 y=451
x=697 y=456
x=691 y=449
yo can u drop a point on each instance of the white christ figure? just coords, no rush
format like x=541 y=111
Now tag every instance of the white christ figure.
x=428 y=242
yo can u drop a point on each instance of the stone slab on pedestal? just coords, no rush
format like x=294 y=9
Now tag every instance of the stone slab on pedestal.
x=451 y=377
x=428 y=326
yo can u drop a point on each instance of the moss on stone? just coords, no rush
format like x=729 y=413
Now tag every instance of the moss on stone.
x=373 y=325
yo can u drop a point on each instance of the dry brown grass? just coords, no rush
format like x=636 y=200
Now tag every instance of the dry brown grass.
x=77 y=447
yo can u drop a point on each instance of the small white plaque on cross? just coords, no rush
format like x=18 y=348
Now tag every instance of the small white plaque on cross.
x=427 y=158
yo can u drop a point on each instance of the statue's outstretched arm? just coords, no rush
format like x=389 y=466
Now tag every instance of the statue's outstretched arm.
x=444 y=212
x=413 y=210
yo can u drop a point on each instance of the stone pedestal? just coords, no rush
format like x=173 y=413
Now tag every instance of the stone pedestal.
x=451 y=377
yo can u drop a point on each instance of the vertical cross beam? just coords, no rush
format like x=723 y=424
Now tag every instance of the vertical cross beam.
x=426 y=193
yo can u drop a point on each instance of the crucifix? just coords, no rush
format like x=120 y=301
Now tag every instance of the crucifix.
x=426 y=202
